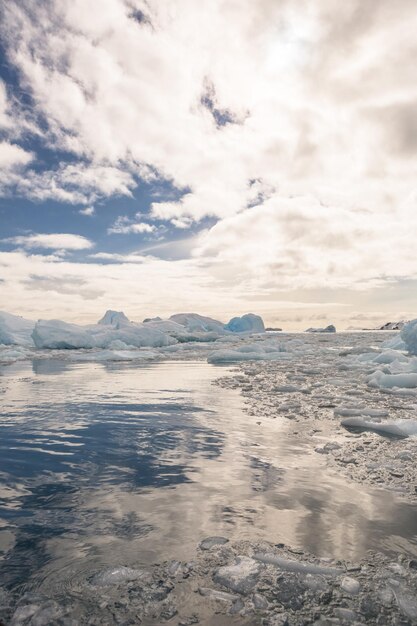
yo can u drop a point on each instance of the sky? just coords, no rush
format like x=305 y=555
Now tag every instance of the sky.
x=218 y=157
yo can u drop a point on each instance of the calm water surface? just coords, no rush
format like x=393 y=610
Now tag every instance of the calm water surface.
x=108 y=464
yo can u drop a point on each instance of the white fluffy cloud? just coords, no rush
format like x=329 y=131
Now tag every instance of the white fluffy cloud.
x=290 y=123
x=300 y=243
x=55 y=241
x=89 y=211
x=12 y=155
x=125 y=226
x=313 y=98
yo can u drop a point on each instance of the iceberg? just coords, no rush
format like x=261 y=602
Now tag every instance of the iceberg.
x=196 y=322
x=15 y=330
x=114 y=318
x=409 y=336
x=394 y=428
x=58 y=335
x=328 y=329
x=407 y=380
x=182 y=333
x=247 y=323
x=115 y=332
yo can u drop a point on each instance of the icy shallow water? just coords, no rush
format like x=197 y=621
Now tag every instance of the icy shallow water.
x=117 y=464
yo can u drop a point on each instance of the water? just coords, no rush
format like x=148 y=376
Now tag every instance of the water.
x=110 y=464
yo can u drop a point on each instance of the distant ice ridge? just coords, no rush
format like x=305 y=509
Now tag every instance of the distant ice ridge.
x=116 y=332
x=327 y=329
x=57 y=335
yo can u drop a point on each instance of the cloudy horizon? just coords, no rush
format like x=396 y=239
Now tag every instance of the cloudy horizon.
x=219 y=157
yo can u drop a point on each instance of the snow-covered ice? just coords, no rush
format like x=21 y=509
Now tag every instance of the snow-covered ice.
x=15 y=330
x=115 y=331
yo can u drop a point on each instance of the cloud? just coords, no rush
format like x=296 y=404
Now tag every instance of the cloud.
x=147 y=286
x=282 y=101
x=289 y=123
x=125 y=226
x=12 y=155
x=64 y=284
x=89 y=211
x=301 y=243
x=56 y=241
x=112 y=257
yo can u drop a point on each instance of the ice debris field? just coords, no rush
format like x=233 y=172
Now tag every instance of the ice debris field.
x=354 y=394
x=359 y=384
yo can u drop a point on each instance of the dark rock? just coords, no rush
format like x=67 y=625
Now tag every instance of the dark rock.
x=369 y=608
x=289 y=592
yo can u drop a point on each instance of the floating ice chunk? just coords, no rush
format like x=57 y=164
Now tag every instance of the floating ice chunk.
x=247 y=323
x=388 y=381
x=55 y=334
x=328 y=329
x=355 y=412
x=229 y=356
x=395 y=428
x=210 y=542
x=218 y=595
x=61 y=335
x=240 y=577
x=195 y=322
x=49 y=613
x=389 y=356
x=396 y=343
x=409 y=336
x=23 y=613
x=289 y=389
x=115 y=355
x=15 y=353
x=182 y=333
x=296 y=566
x=15 y=330
x=117 y=575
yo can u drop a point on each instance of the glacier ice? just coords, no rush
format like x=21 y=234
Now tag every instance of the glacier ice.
x=409 y=336
x=114 y=331
x=54 y=334
x=15 y=330
x=380 y=379
x=394 y=428
x=114 y=318
x=195 y=322
x=247 y=323
x=61 y=335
